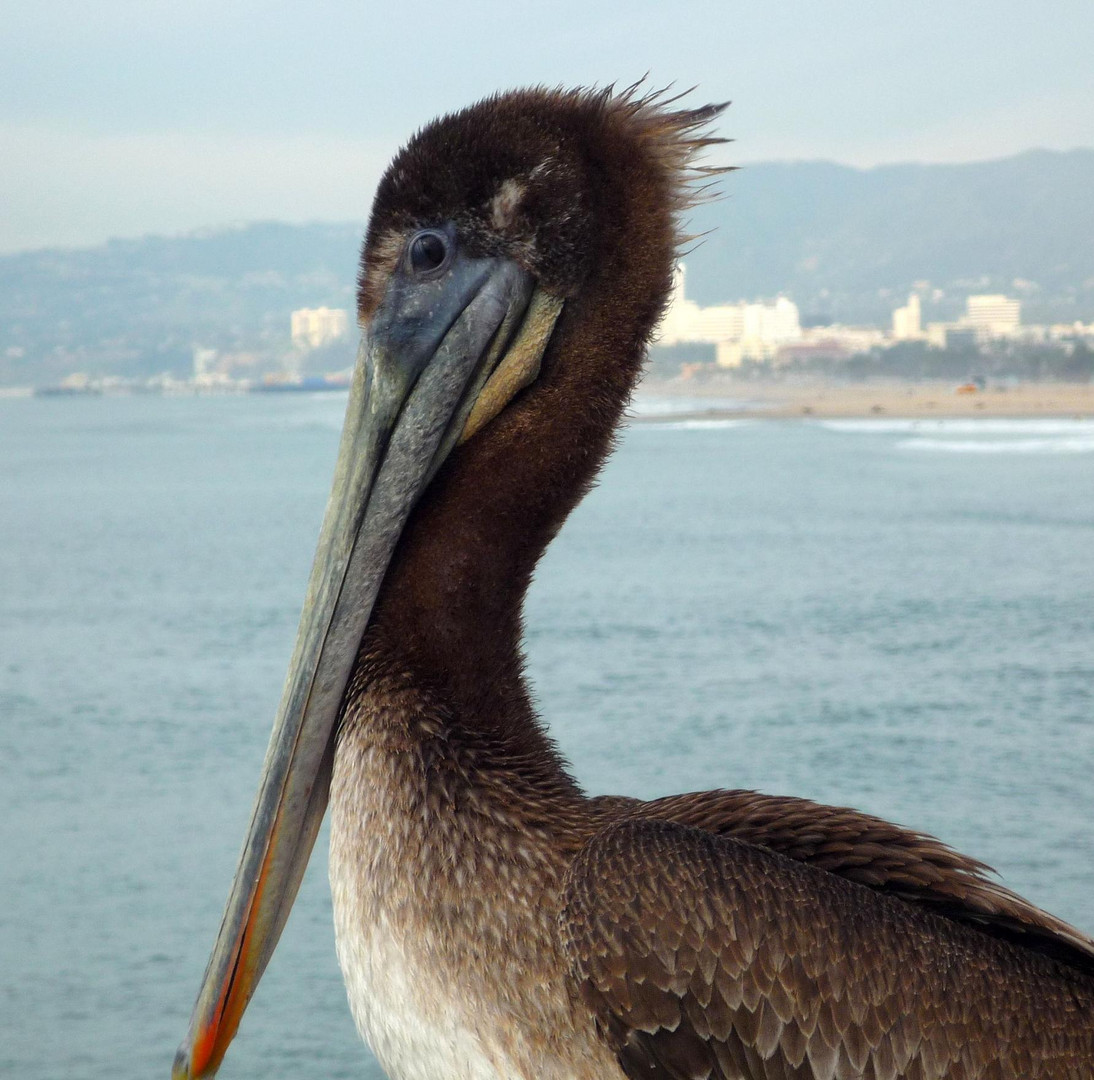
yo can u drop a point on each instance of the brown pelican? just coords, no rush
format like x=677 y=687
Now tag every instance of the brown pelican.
x=492 y=920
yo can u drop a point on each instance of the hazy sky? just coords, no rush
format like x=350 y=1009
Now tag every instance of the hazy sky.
x=123 y=117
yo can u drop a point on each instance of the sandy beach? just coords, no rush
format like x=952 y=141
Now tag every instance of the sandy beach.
x=828 y=399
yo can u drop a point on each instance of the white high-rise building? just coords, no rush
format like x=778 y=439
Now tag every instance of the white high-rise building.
x=774 y=323
x=907 y=321
x=312 y=327
x=725 y=322
x=681 y=313
x=993 y=315
x=785 y=321
x=686 y=321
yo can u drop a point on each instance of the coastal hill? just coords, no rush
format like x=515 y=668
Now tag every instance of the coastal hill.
x=845 y=244
x=139 y=307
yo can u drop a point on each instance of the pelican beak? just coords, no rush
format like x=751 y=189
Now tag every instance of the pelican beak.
x=438 y=359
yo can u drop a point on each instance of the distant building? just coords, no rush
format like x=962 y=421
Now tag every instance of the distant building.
x=993 y=315
x=776 y=323
x=822 y=349
x=936 y=334
x=205 y=361
x=837 y=339
x=681 y=315
x=907 y=325
x=958 y=335
x=986 y=316
x=313 y=327
x=724 y=322
x=729 y=354
x=739 y=331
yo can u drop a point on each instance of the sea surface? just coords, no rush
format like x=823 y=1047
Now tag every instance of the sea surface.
x=892 y=615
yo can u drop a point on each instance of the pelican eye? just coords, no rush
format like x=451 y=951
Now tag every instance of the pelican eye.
x=428 y=251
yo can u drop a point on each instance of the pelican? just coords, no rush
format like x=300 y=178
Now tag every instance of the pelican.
x=492 y=920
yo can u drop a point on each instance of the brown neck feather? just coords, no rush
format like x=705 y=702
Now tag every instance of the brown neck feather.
x=451 y=606
x=449 y=614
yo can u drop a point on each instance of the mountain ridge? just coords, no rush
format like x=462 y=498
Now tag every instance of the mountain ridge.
x=845 y=243
x=804 y=228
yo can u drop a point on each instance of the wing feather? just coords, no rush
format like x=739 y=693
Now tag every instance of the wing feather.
x=870 y=851
x=702 y=956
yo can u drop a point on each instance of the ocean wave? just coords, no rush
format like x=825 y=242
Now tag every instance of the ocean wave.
x=696 y=424
x=1079 y=444
x=649 y=406
x=962 y=426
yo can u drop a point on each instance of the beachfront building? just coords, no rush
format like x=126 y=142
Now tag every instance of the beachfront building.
x=314 y=327
x=682 y=321
x=738 y=331
x=993 y=315
x=907 y=321
x=835 y=342
x=987 y=316
x=953 y=335
x=205 y=361
x=723 y=322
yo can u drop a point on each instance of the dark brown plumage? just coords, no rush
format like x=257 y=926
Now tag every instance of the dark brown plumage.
x=603 y=179
x=494 y=921
x=719 y=934
x=705 y=955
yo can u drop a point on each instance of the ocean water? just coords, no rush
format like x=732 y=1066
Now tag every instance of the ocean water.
x=895 y=616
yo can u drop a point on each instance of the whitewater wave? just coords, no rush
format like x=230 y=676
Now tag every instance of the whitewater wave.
x=961 y=426
x=1078 y=444
x=645 y=406
x=697 y=424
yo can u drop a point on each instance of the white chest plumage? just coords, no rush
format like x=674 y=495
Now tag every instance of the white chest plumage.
x=415 y=1026
x=438 y=995
x=400 y=1012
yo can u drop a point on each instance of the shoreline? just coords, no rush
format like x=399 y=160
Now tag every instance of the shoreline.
x=832 y=400
x=793 y=399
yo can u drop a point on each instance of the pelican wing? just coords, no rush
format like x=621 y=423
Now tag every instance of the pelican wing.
x=889 y=858
x=705 y=956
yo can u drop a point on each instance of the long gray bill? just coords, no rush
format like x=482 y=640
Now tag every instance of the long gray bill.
x=424 y=356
